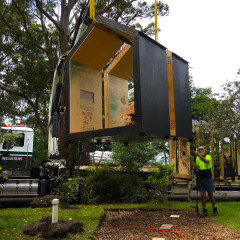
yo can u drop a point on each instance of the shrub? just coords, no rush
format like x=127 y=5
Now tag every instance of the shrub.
x=161 y=178
x=67 y=189
x=110 y=185
x=134 y=156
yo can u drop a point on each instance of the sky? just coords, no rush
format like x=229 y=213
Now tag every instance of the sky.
x=206 y=34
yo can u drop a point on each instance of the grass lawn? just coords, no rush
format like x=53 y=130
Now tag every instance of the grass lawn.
x=12 y=220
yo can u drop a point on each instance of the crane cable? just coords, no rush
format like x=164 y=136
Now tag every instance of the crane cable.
x=92 y=11
x=156 y=21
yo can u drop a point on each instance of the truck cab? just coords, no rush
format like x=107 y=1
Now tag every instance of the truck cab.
x=16 y=155
x=16 y=150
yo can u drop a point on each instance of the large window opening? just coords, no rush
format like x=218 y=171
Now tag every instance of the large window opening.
x=101 y=83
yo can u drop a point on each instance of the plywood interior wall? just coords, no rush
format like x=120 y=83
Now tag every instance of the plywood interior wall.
x=116 y=78
x=85 y=98
x=118 y=100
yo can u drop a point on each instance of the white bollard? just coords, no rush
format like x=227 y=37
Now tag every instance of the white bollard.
x=55 y=203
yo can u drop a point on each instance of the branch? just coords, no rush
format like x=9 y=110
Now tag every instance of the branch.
x=106 y=8
x=50 y=2
x=4 y=59
x=39 y=5
x=31 y=103
x=134 y=16
x=45 y=33
x=73 y=16
x=28 y=35
x=23 y=34
x=71 y=5
x=71 y=31
x=15 y=92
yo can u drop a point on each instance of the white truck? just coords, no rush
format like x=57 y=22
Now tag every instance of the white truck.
x=16 y=156
x=18 y=180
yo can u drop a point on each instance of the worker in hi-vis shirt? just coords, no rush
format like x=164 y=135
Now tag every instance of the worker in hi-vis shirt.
x=204 y=179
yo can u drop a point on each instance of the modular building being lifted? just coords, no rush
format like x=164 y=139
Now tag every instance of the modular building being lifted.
x=116 y=54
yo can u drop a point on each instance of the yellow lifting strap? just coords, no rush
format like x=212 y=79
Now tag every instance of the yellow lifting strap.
x=156 y=23
x=92 y=11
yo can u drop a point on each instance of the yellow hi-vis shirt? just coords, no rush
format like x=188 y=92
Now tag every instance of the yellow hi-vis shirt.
x=202 y=165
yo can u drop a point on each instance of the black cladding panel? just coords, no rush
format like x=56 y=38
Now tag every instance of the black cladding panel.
x=153 y=87
x=182 y=97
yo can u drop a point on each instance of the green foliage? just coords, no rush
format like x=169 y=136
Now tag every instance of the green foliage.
x=40 y=146
x=65 y=188
x=224 y=116
x=134 y=156
x=10 y=106
x=161 y=178
x=220 y=126
x=201 y=98
x=199 y=107
x=110 y=185
x=221 y=117
x=26 y=71
x=10 y=139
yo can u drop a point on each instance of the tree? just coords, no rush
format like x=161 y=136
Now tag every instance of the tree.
x=224 y=114
x=200 y=100
x=134 y=156
x=26 y=72
x=220 y=127
x=161 y=178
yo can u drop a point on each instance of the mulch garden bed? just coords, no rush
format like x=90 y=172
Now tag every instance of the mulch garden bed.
x=189 y=225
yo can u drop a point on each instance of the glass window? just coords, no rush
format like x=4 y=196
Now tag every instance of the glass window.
x=16 y=142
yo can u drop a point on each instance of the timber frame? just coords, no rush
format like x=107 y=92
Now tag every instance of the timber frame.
x=226 y=166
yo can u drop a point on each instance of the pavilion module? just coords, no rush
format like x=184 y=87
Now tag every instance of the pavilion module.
x=121 y=85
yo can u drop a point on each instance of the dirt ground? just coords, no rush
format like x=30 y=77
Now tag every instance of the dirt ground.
x=189 y=225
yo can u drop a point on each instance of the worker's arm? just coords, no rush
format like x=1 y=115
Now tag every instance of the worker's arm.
x=201 y=157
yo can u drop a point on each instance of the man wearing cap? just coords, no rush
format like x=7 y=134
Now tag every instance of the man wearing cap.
x=205 y=179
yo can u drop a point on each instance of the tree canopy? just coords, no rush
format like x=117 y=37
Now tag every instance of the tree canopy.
x=200 y=100
x=218 y=115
